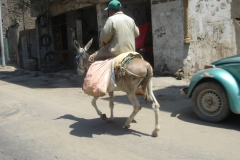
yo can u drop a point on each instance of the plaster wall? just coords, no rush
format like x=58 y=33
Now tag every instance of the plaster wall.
x=236 y=15
x=168 y=34
x=212 y=32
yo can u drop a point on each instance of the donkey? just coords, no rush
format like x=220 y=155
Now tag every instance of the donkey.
x=138 y=73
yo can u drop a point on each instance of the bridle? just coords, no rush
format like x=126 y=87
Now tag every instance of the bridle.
x=77 y=59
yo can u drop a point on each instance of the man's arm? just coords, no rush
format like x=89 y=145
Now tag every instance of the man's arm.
x=136 y=31
x=107 y=32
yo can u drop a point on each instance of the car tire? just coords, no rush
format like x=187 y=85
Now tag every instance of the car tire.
x=45 y=40
x=48 y=16
x=41 y=20
x=210 y=102
x=50 y=57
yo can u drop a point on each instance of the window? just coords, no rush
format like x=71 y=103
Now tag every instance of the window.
x=60 y=33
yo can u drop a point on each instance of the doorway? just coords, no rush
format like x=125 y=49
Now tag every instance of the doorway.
x=90 y=27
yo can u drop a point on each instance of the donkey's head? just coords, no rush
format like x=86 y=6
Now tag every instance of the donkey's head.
x=82 y=57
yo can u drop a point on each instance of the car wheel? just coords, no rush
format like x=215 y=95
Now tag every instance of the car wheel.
x=210 y=102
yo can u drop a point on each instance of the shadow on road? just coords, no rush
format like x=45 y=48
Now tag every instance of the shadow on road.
x=180 y=107
x=89 y=127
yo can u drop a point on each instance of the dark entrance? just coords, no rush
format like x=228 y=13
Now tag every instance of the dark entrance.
x=90 y=27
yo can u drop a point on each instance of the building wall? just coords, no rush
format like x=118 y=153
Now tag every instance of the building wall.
x=13 y=37
x=5 y=18
x=213 y=29
x=212 y=32
x=15 y=13
x=63 y=8
x=27 y=36
x=168 y=33
x=10 y=15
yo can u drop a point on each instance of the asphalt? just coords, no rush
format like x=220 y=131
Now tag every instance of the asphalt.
x=52 y=118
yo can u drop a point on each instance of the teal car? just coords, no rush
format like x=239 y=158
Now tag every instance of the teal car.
x=215 y=91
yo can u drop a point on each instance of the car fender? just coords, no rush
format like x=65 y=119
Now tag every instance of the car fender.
x=229 y=83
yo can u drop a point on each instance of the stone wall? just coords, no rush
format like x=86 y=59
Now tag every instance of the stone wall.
x=5 y=19
x=15 y=14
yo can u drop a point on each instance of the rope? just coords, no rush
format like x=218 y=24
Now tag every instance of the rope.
x=131 y=73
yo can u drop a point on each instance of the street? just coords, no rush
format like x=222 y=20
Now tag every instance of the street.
x=49 y=117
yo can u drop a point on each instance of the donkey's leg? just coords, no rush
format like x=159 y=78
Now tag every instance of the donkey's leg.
x=155 y=106
x=111 y=105
x=103 y=116
x=136 y=108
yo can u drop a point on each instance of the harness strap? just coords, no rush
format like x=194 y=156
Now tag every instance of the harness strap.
x=133 y=73
x=126 y=63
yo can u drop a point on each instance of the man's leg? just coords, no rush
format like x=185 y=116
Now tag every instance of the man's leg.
x=101 y=54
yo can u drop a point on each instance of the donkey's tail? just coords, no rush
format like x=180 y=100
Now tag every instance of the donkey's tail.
x=147 y=85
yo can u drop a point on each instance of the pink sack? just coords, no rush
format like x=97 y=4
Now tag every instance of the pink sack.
x=98 y=80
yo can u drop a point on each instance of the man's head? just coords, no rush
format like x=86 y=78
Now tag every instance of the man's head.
x=113 y=7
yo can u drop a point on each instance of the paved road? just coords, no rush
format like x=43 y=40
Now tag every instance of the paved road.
x=48 y=118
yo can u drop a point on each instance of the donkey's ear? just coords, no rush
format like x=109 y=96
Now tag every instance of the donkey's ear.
x=76 y=44
x=88 y=45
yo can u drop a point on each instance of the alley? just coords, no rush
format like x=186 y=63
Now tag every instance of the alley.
x=49 y=117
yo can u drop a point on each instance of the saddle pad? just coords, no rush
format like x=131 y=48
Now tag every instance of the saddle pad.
x=120 y=59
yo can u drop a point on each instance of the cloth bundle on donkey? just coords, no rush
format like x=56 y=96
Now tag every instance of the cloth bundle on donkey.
x=100 y=78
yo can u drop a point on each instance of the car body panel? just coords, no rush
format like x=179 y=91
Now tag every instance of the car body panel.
x=233 y=69
x=228 y=81
x=228 y=60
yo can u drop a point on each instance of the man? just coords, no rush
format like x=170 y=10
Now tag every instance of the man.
x=117 y=36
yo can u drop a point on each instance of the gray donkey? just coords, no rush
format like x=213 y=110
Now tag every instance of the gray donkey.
x=138 y=73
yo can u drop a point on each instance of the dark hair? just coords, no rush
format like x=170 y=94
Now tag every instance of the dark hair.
x=116 y=10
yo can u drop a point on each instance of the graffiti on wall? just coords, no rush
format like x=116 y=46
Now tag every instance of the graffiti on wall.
x=160 y=32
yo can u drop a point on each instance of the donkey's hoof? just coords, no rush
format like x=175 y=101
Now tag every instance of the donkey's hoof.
x=154 y=134
x=104 y=117
x=126 y=126
x=110 y=120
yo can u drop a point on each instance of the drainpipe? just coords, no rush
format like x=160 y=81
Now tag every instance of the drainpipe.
x=1 y=36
